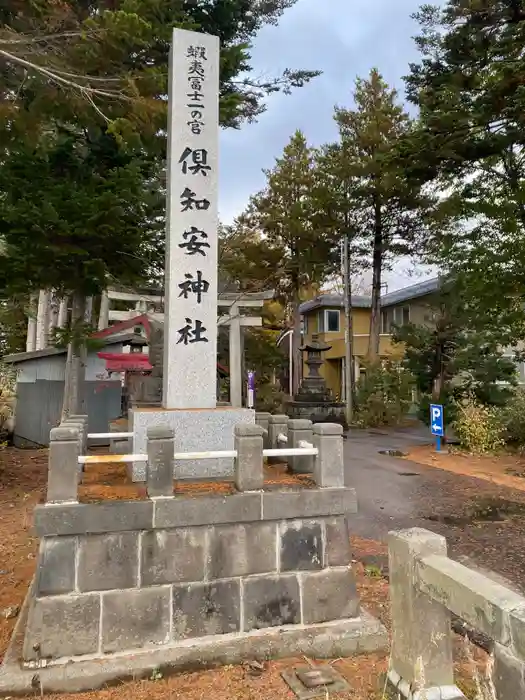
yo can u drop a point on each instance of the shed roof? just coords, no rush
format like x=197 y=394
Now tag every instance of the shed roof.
x=18 y=357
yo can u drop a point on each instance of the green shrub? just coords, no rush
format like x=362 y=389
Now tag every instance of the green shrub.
x=479 y=428
x=445 y=400
x=384 y=395
x=513 y=417
x=269 y=397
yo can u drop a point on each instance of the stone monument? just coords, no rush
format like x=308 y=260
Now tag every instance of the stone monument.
x=188 y=374
x=314 y=400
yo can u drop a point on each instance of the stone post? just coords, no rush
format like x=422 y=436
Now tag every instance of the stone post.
x=421 y=656
x=329 y=470
x=249 y=462
x=235 y=360
x=83 y=420
x=263 y=419
x=159 y=470
x=103 y=317
x=277 y=425
x=508 y=674
x=62 y=476
x=299 y=430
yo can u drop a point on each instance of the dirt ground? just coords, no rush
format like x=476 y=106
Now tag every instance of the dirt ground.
x=504 y=469
x=22 y=486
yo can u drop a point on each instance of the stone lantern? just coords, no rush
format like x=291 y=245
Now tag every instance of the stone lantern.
x=314 y=399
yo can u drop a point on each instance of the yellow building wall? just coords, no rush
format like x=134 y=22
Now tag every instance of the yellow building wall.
x=420 y=311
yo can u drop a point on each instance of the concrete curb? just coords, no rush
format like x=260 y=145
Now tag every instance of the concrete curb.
x=342 y=638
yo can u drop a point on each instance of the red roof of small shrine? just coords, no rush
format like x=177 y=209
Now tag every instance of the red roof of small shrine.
x=126 y=362
x=144 y=321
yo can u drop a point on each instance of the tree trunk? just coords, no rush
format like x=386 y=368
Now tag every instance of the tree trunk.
x=349 y=377
x=75 y=362
x=377 y=265
x=296 y=342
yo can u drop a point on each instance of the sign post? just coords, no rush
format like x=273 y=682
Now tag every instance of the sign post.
x=437 y=423
x=251 y=389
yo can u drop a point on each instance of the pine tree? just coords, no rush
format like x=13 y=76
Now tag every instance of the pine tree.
x=468 y=86
x=78 y=213
x=337 y=215
x=284 y=212
x=86 y=60
x=388 y=208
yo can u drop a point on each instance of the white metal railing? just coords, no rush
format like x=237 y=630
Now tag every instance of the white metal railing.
x=306 y=449
x=117 y=436
x=111 y=459
x=292 y=452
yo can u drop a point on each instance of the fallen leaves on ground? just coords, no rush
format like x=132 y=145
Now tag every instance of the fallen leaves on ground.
x=498 y=469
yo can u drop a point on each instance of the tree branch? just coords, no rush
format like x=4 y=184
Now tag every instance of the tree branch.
x=57 y=78
x=45 y=37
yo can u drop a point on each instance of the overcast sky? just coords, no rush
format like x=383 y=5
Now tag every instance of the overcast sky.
x=344 y=39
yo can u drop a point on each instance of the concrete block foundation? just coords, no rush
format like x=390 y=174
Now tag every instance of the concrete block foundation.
x=189 y=568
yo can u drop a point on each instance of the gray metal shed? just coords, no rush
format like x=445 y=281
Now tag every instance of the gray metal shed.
x=40 y=391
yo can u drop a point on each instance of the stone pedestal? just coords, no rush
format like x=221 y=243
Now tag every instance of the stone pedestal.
x=196 y=430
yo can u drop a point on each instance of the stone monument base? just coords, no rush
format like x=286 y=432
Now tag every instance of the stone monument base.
x=339 y=639
x=196 y=430
x=328 y=412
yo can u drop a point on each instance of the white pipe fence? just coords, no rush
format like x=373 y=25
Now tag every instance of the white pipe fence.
x=116 y=436
x=292 y=452
x=306 y=450
x=111 y=459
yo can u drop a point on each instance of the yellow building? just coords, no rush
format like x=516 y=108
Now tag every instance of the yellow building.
x=324 y=316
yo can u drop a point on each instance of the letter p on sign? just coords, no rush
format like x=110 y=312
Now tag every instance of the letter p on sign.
x=436 y=420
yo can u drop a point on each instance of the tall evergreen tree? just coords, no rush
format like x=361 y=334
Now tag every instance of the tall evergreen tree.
x=388 y=208
x=77 y=60
x=78 y=213
x=285 y=213
x=336 y=214
x=468 y=86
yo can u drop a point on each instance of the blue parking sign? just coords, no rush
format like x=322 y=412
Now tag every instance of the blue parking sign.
x=437 y=420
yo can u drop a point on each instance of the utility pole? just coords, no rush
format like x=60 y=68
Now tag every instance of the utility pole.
x=349 y=333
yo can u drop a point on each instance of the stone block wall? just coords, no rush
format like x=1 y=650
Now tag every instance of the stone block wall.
x=128 y=575
x=123 y=576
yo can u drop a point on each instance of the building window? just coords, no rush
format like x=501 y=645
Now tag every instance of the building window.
x=332 y=321
x=320 y=322
x=386 y=321
x=398 y=316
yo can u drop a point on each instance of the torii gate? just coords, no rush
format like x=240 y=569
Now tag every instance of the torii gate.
x=46 y=319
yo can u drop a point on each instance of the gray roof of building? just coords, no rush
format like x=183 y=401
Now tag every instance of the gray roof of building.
x=18 y=357
x=362 y=302
x=420 y=289
x=331 y=300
